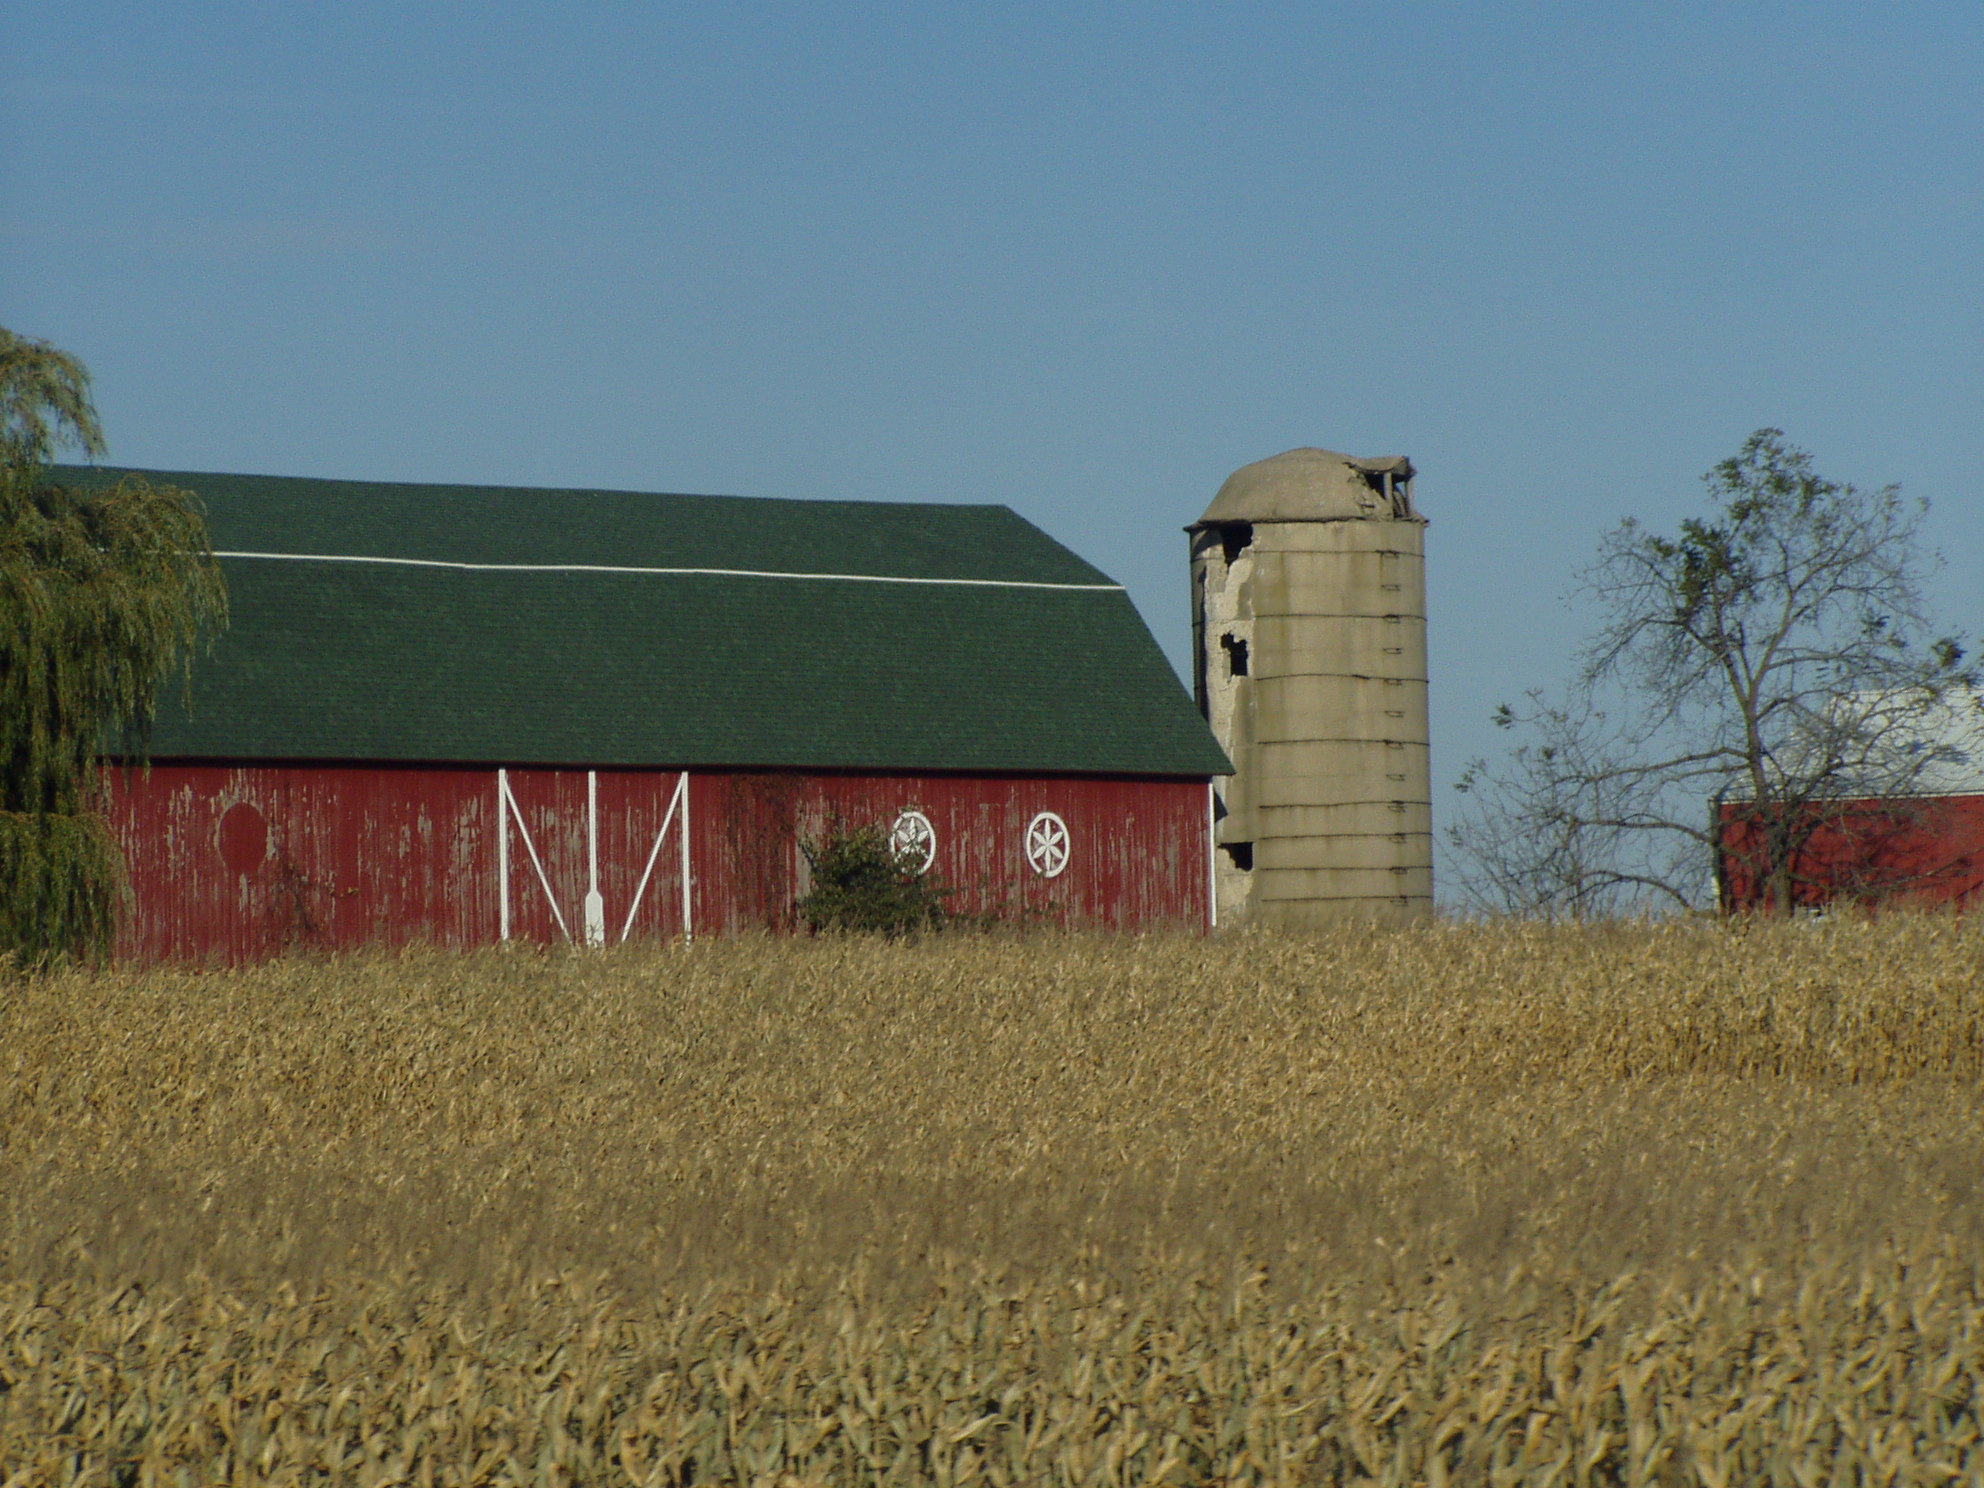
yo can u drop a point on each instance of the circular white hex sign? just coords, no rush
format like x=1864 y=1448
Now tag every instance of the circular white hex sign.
x=914 y=841
x=1047 y=845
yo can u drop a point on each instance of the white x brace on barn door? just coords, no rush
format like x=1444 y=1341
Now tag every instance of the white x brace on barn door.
x=592 y=906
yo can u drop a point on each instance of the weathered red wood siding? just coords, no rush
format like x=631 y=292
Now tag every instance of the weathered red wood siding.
x=234 y=863
x=1922 y=851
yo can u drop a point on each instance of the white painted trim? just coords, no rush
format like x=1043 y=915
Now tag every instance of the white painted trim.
x=688 y=930
x=531 y=848
x=502 y=856
x=614 y=568
x=595 y=902
x=680 y=794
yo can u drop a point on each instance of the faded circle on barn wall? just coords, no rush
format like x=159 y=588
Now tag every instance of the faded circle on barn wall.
x=913 y=840
x=244 y=838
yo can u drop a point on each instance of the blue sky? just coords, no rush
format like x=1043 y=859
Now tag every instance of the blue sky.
x=1083 y=260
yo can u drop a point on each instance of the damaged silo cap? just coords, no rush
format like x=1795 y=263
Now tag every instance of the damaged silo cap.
x=1315 y=485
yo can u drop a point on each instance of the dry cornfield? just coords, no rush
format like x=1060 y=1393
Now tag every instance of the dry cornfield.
x=1685 y=1203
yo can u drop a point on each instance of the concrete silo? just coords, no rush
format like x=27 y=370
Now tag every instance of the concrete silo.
x=1309 y=644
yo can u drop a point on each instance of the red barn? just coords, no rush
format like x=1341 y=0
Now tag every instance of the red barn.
x=1916 y=850
x=464 y=715
x=1924 y=847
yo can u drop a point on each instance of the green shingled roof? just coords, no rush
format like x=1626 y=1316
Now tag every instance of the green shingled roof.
x=522 y=626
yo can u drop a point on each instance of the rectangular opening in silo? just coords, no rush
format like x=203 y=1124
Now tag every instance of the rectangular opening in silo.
x=1234 y=538
x=1236 y=655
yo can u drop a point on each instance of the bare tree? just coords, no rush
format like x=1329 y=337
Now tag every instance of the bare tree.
x=1771 y=665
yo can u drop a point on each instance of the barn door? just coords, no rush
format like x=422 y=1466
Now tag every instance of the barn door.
x=589 y=857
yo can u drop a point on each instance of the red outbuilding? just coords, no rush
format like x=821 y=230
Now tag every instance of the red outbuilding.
x=1917 y=850
x=465 y=715
x=1919 y=841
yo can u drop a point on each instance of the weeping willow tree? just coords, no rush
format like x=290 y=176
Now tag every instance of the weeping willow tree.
x=104 y=593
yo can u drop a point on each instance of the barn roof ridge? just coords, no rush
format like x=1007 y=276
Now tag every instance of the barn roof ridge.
x=543 y=526
x=624 y=568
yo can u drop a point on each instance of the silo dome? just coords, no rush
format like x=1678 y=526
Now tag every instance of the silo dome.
x=1315 y=485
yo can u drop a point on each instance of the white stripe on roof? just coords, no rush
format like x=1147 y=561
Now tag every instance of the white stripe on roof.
x=616 y=568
